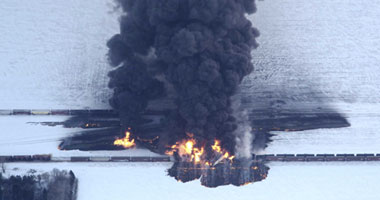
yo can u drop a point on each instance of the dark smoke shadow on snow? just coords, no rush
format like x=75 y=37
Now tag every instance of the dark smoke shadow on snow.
x=268 y=115
x=271 y=110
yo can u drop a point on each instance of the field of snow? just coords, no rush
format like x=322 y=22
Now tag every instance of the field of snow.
x=53 y=53
x=314 y=55
x=295 y=181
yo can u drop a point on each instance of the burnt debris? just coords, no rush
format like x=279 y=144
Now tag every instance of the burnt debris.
x=237 y=173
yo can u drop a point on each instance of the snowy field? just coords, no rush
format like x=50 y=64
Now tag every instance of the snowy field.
x=314 y=55
x=53 y=53
x=295 y=181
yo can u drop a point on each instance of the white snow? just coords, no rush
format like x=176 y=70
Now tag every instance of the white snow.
x=53 y=53
x=295 y=181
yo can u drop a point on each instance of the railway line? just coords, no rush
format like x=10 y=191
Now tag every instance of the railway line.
x=70 y=112
x=257 y=158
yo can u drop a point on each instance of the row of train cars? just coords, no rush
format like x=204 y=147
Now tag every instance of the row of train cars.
x=258 y=158
x=74 y=112
x=50 y=158
x=56 y=112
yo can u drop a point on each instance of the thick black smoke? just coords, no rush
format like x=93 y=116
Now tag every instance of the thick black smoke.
x=200 y=48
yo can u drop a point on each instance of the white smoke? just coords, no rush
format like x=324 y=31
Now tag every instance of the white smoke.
x=243 y=133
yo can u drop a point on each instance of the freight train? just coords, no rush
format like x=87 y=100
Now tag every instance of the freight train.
x=50 y=158
x=316 y=157
x=256 y=158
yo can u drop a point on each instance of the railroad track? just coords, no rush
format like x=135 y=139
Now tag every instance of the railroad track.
x=72 y=112
x=49 y=158
x=257 y=158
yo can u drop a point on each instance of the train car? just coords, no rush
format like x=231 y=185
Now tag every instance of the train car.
x=342 y=157
x=272 y=157
x=160 y=159
x=40 y=112
x=365 y=154
x=295 y=159
x=60 y=159
x=285 y=155
x=100 y=159
x=21 y=112
x=334 y=159
x=60 y=112
x=345 y=155
x=5 y=159
x=80 y=159
x=373 y=158
x=298 y=157
x=120 y=159
x=315 y=158
x=141 y=159
x=288 y=157
x=45 y=157
x=21 y=158
x=79 y=112
x=6 y=112
x=263 y=157
x=325 y=155
x=355 y=158
x=259 y=158
x=304 y=155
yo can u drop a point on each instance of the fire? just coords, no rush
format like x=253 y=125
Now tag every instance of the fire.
x=126 y=142
x=217 y=148
x=198 y=154
x=188 y=151
x=189 y=147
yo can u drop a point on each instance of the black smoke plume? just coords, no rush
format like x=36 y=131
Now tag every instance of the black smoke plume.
x=194 y=52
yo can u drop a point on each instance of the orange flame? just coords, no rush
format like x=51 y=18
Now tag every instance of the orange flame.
x=186 y=150
x=126 y=142
x=217 y=148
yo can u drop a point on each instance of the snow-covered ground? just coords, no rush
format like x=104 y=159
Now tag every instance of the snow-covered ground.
x=295 y=181
x=52 y=53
